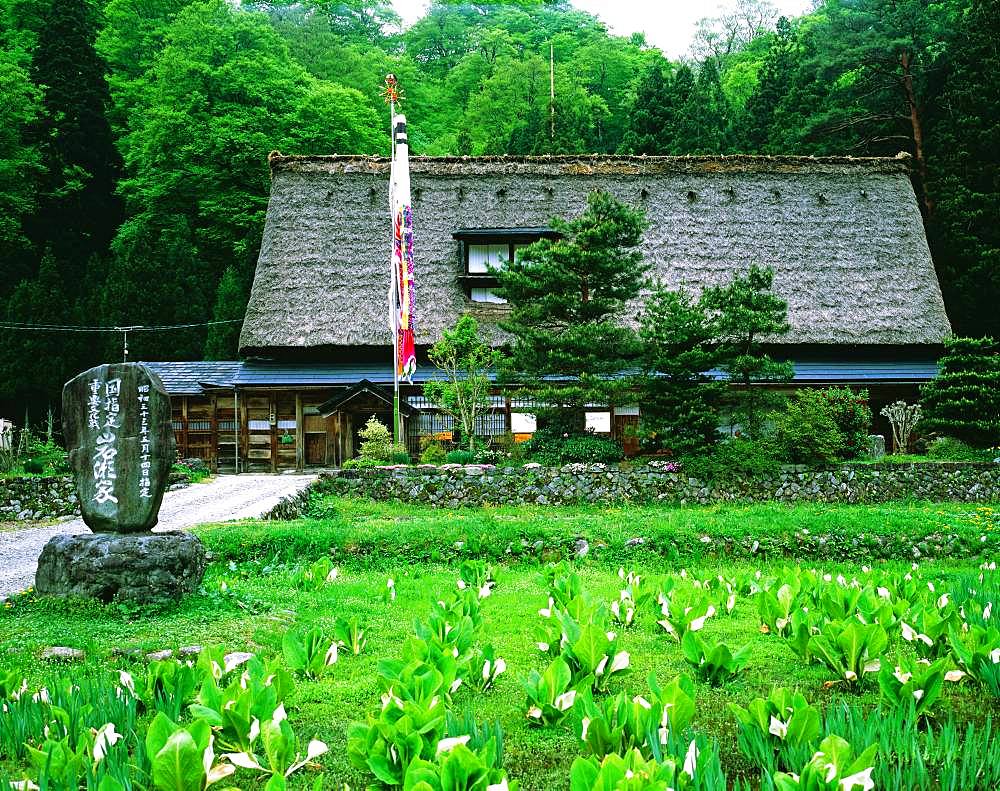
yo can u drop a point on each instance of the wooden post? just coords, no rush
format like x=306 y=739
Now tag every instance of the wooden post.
x=300 y=434
x=272 y=409
x=184 y=427
x=243 y=427
x=214 y=425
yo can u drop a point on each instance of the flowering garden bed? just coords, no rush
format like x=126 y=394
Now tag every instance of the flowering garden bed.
x=846 y=640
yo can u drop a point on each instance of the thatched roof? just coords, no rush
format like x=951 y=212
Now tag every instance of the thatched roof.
x=844 y=236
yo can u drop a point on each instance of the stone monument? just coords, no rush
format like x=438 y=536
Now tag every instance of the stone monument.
x=117 y=427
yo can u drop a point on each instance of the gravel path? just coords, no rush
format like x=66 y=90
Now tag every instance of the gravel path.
x=227 y=497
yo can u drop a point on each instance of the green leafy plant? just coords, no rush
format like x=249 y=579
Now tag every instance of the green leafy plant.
x=645 y=722
x=776 y=606
x=633 y=598
x=493 y=667
x=309 y=652
x=628 y=772
x=280 y=749
x=408 y=726
x=236 y=710
x=926 y=630
x=834 y=767
x=432 y=452
x=460 y=457
x=913 y=683
x=713 y=662
x=182 y=757
x=805 y=432
x=849 y=648
x=562 y=582
x=550 y=697
x=951 y=449
x=457 y=768
x=782 y=719
x=348 y=633
x=167 y=686
x=477 y=575
x=684 y=610
x=978 y=653
x=377 y=446
x=12 y=684
x=316 y=575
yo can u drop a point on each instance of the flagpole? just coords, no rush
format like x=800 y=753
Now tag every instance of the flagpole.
x=397 y=429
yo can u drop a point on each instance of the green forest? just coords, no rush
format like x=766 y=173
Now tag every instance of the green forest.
x=134 y=135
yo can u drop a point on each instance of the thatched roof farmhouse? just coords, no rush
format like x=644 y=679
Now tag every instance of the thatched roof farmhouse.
x=843 y=235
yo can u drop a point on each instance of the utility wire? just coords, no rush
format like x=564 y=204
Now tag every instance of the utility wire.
x=16 y=325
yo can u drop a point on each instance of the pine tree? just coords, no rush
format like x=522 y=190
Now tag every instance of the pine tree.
x=963 y=400
x=78 y=210
x=680 y=401
x=567 y=296
x=963 y=160
x=230 y=306
x=747 y=312
x=773 y=87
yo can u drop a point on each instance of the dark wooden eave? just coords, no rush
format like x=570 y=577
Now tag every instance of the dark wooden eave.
x=364 y=387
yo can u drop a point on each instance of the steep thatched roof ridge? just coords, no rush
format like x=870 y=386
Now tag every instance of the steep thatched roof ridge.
x=575 y=164
x=844 y=236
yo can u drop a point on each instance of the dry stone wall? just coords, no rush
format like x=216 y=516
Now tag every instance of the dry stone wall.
x=23 y=499
x=31 y=498
x=452 y=486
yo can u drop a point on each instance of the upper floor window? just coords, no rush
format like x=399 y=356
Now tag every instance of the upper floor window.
x=485 y=250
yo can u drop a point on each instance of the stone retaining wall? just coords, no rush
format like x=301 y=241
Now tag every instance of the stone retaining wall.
x=47 y=497
x=450 y=486
x=23 y=499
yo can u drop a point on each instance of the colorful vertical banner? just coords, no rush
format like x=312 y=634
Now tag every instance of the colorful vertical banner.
x=402 y=253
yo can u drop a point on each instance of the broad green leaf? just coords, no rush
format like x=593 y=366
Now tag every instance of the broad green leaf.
x=178 y=765
x=158 y=733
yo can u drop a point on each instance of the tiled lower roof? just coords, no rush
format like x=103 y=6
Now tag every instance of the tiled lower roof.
x=192 y=378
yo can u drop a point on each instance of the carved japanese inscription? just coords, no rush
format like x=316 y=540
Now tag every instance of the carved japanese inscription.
x=116 y=422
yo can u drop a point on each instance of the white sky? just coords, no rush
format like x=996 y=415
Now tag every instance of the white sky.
x=668 y=24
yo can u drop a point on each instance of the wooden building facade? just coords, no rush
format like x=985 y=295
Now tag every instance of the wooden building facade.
x=270 y=417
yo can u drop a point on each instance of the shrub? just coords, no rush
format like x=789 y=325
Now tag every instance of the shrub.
x=963 y=401
x=903 y=418
x=460 y=457
x=738 y=457
x=400 y=455
x=35 y=466
x=193 y=470
x=376 y=441
x=951 y=449
x=377 y=446
x=805 y=432
x=853 y=416
x=590 y=448
x=360 y=463
x=551 y=448
x=432 y=453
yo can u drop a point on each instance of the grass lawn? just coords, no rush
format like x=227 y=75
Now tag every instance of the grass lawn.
x=250 y=599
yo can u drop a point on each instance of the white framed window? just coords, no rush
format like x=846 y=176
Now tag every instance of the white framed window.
x=523 y=423
x=598 y=422
x=628 y=411
x=484 y=256
x=486 y=295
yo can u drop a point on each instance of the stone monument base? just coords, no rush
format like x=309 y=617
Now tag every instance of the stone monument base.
x=136 y=566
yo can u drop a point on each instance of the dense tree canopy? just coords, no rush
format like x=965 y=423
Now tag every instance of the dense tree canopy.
x=134 y=136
